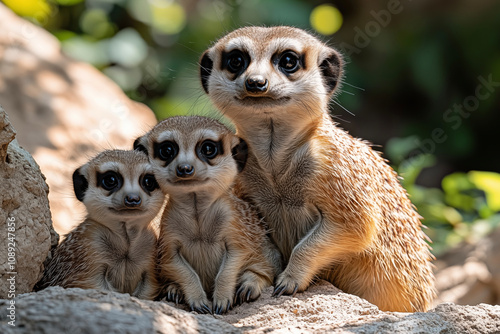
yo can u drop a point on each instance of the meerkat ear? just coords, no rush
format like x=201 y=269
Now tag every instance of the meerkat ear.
x=139 y=146
x=240 y=154
x=331 y=66
x=80 y=184
x=206 y=65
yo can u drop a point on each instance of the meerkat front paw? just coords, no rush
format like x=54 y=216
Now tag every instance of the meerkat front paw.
x=250 y=288
x=222 y=305
x=198 y=304
x=247 y=292
x=173 y=293
x=287 y=285
x=222 y=300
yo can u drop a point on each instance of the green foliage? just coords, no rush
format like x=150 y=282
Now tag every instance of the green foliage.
x=466 y=208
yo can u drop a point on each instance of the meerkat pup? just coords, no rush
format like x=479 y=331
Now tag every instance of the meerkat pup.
x=114 y=248
x=335 y=209
x=212 y=244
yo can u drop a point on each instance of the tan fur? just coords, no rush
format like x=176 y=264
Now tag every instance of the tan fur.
x=111 y=250
x=212 y=244
x=334 y=207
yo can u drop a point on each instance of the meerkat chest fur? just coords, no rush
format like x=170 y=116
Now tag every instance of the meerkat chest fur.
x=279 y=178
x=126 y=253
x=198 y=229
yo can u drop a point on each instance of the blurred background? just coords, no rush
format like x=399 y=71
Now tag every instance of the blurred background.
x=422 y=80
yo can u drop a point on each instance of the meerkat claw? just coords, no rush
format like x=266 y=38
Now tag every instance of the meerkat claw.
x=238 y=297
x=206 y=309
x=220 y=309
x=278 y=291
x=282 y=289
x=203 y=309
x=240 y=290
x=249 y=293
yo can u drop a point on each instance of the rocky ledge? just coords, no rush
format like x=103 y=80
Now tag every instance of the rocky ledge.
x=322 y=308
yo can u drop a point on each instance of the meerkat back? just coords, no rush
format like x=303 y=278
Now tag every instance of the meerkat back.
x=334 y=207
x=213 y=246
x=115 y=247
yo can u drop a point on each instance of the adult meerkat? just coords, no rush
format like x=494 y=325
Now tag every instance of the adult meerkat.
x=334 y=207
x=212 y=244
x=114 y=248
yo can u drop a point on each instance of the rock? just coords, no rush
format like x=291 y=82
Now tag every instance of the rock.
x=322 y=308
x=64 y=111
x=24 y=215
x=492 y=261
x=470 y=273
x=55 y=310
x=7 y=134
x=325 y=308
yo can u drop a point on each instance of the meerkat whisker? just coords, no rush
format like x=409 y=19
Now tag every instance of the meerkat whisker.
x=351 y=85
x=341 y=106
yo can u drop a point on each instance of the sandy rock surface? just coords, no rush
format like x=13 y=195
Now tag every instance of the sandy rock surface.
x=63 y=111
x=325 y=308
x=56 y=310
x=322 y=308
x=24 y=213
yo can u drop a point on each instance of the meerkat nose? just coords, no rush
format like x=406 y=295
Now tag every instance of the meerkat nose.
x=184 y=170
x=256 y=84
x=132 y=200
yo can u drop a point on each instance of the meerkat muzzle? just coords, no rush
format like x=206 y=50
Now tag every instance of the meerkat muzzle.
x=132 y=201
x=256 y=85
x=184 y=170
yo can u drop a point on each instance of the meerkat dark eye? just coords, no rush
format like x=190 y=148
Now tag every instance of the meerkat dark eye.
x=110 y=181
x=167 y=151
x=289 y=62
x=236 y=61
x=149 y=183
x=209 y=149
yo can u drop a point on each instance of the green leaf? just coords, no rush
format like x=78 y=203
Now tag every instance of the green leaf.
x=456 y=187
x=489 y=182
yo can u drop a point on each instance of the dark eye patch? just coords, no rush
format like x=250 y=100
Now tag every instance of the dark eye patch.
x=289 y=61
x=166 y=151
x=209 y=149
x=149 y=184
x=235 y=61
x=110 y=181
